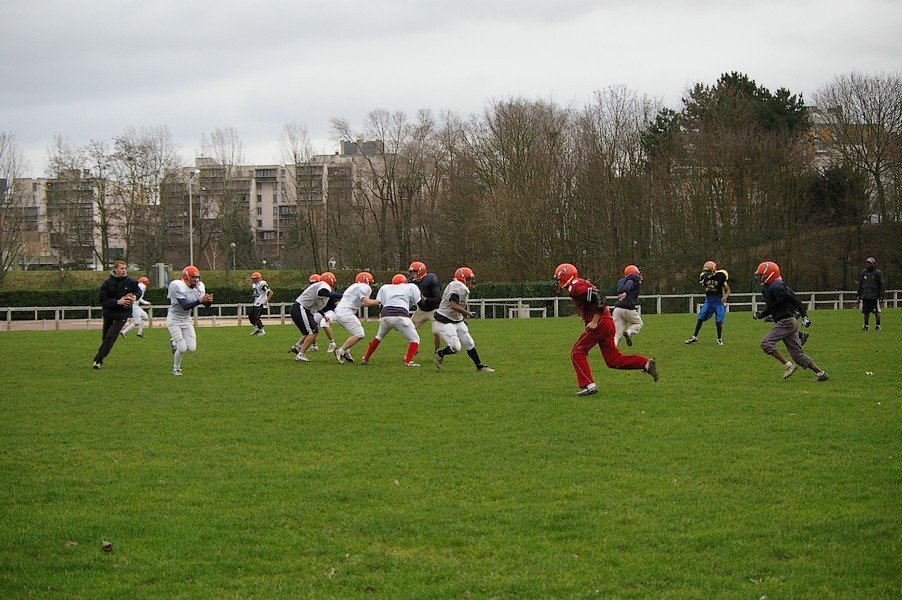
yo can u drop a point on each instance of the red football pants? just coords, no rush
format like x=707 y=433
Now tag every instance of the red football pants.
x=603 y=336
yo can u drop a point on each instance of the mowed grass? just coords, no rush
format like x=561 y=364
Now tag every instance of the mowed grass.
x=255 y=476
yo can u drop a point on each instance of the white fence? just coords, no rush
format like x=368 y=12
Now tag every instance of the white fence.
x=71 y=317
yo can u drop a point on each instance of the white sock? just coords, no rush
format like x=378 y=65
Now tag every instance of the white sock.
x=788 y=363
x=177 y=361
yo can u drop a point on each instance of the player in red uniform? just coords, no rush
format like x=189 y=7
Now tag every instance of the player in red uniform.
x=599 y=332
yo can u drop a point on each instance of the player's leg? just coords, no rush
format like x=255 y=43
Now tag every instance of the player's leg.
x=619 y=323
x=405 y=326
x=703 y=315
x=613 y=358
x=780 y=330
x=635 y=322
x=143 y=319
x=355 y=333
x=579 y=357
x=720 y=315
x=136 y=317
x=866 y=312
x=385 y=325
x=468 y=344
x=179 y=345
x=111 y=329
x=310 y=326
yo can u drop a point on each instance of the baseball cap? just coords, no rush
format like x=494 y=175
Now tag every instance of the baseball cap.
x=871 y=259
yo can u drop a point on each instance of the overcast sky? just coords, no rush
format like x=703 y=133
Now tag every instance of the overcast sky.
x=87 y=69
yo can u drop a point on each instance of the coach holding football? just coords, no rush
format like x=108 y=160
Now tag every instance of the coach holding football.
x=117 y=294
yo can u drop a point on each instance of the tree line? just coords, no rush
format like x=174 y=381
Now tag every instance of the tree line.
x=736 y=173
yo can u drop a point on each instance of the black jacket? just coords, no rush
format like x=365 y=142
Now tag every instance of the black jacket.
x=782 y=302
x=112 y=290
x=870 y=284
x=629 y=284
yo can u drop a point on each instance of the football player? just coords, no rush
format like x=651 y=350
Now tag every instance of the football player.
x=117 y=294
x=782 y=304
x=431 y=291
x=450 y=320
x=139 y=315
x=356 y=296
x=262 y=294
x=184 y=295
x=599 y=332
x=312 y=300
x=396 y=299
x=627 y=320
x=717 y=290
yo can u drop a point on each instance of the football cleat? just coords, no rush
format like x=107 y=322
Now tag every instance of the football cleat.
x=123 y=335
x=96 y=365
x=877 y=328
x=331 y=349
x=822 y=376
x=313 y=348
x=294 y=349
x=347 y=356
x=177 y=372
x=261 y=332
x=140 y=335
x=652 y=369
x=691 y=340
x=719 y=342
x=411 y=364
x=588 y=390
x=485 y=369
x=788 y=370
x=439 y=359
x=339 y=356
x=628 y=338
x=301 y=358
x=254 y=331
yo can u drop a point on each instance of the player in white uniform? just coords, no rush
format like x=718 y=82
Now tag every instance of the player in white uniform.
x=450 y=320
x=262 y=294
x=396 y=299
x=184 y=294
x=352 y=299
x=139 y=315
x=312 y=300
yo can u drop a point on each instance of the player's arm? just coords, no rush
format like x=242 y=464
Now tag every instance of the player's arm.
x=268 y=294
x=726 y=291
x=457 y=306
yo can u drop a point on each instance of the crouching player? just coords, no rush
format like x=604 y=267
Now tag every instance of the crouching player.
x=312 y=300
x=352 y=299
x=450 y=321
x=396 y=299
x=184 y=294
x=599 y=332
x=782 y=303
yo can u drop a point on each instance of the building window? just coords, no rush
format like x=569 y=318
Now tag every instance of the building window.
x=259 y=210
x=259 y=185
x=259 y=198
x=259 y=224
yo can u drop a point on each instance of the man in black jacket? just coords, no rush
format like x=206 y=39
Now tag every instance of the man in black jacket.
x=870 y=292
x=782 y=304
x=117 y=294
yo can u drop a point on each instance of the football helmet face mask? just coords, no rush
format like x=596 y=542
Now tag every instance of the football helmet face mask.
x=144 y=280
x=315 y=278
x=191 y=275
x=767 y=272
x=631 y=270
x=328 y=277
x=466 y=276
x=399 y=279
x=364 y=277
x=564 y=274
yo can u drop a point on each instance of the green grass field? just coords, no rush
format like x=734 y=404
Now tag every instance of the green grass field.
x=255 y=476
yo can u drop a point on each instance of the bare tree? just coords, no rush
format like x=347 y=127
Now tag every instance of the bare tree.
x=305 y=194
x=141 y=162
x=70 y=205
x=863 y=117
x=12 y=203
x=221 y=213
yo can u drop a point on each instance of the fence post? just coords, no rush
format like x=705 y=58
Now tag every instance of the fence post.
x=659 y=304
x=556 y=304
x=282 y=313
x=56 y=319
x=811 y=302
x=9 y=319
x=482 y=308
x=690 y=304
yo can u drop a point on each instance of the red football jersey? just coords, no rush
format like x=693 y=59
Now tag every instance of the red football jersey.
x=579 y=289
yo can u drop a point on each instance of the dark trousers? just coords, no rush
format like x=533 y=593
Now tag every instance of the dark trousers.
x=111 y=329
x=253 y=315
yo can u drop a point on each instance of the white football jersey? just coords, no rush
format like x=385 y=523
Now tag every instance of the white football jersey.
x=259 y=289
x=179 y=289
x=463 y=294
x=352 y=298
x=310 y=299
x=403 y=295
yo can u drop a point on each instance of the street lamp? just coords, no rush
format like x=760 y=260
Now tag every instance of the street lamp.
x=232 y=246
x=191 y=179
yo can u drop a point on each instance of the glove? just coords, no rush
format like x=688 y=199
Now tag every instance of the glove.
x=473 y=315
x=806 y=321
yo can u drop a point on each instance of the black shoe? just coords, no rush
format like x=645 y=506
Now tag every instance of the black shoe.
x=864 y=327
x=628 y=338
x=96 y=365
x=877 y=328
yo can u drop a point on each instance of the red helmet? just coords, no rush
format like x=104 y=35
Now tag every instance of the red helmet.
x=565 y=273
x=399 y=279
x=465 y=275
x=328 y=277
x=144 y=280
x=315 y=278
x=631 y=270
x=417 y=270
x=767 y=272
x=189 y=272
x=364 y=277
x=256 y=275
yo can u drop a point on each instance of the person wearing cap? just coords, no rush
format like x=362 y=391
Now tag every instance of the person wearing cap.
x=870 y=292
x=261 y=293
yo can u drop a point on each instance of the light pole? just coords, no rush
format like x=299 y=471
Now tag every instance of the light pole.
x=191 y=179
x=232 y=246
